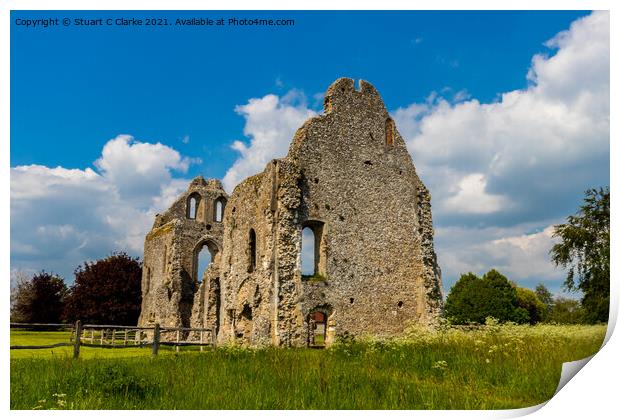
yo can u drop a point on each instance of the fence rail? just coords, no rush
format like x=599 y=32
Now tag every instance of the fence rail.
x=123 y=336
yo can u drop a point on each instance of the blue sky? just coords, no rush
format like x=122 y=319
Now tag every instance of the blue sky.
x=493 y=113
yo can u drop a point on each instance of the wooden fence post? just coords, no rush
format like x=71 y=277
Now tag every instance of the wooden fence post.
x=156 y=340
x=78 y=336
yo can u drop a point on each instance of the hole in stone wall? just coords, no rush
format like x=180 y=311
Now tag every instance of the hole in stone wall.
x=400 y=303
x=341 y=217
x=208 y=227
x=252 y=251
x=193 y=201
x=204 y=258
x=317 y=324
x=246 y=312
x=219 y=210
x=307 y=252
x=351 y=300
x=313 y=257
x=316 y=180
x=327 y=207
x=389 y=132
x=367 y=162
x=234 y=209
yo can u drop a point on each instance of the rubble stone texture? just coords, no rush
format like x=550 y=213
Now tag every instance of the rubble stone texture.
x=349 y=178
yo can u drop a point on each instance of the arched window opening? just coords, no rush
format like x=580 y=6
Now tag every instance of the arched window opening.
x=203 y=257
x=219 y=210
x=204 y=260
x=252 y=251
x=307 y=252
x=318 y=329
x=193 y=201
x=313 y=256
x=389 y=132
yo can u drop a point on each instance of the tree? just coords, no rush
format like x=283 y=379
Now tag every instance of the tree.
x=528 y=300
x=566 y=311
x=544 y=295
x=584 y=251
x=472 y=299
x=106 y=291
x=39 y=299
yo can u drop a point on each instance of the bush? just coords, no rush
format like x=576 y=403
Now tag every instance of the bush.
x=529 y=303
x=472 y=299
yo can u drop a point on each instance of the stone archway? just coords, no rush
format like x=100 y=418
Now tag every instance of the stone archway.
x=318 y=323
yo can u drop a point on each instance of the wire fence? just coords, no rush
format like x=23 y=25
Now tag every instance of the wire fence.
x=122 y=336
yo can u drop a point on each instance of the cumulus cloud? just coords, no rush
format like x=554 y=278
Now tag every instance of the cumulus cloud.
x=471 y=197
x=534 y=149
x=520 y=252
x=270 y=123
x=497 y=169
x=61 y=217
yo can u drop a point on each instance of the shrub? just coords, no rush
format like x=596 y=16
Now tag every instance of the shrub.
x=472 y=299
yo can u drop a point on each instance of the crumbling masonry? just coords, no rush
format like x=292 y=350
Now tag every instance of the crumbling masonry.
x=349 y=179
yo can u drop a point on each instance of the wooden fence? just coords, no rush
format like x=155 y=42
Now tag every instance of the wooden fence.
x=121 y=336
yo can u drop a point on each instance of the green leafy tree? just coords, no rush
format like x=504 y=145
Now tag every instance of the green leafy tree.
x=584 y=251
x=472 y=299
x=528 y=300
x=544 y=295
x=106 y=291
x=566 y=311
x=39 y=299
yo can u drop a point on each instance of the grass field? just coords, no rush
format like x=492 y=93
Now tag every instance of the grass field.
x=498 y=367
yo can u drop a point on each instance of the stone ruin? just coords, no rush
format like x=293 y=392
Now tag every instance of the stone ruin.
x=347 y=178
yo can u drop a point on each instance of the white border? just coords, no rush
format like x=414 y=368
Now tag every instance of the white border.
x=592 y=394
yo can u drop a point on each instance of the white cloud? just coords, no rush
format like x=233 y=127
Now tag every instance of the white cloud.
x=535 y=148
x=471 y=197
x=521 y=252
x=270 y=123
x=499 y=170
x=61 y=217
x=138 y=170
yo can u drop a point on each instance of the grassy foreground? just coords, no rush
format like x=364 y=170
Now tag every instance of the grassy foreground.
x=494 y=368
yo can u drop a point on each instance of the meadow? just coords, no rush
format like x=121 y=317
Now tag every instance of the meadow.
x=495 y=367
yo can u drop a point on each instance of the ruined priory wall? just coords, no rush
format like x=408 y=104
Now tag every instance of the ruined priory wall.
x=170 y=278
x=246 y=281
x=359 y=181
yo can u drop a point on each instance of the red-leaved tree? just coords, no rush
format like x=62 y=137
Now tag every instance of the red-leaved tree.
x=106 y=291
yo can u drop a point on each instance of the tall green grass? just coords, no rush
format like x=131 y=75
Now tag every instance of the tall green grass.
x=497 y=367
